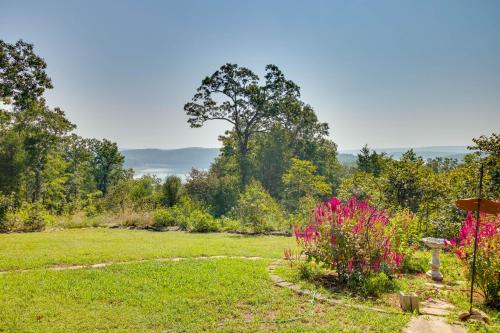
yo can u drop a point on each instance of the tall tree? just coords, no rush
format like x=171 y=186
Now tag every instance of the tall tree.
x=233 y=94
x=22 y=74
x=107 y=163
x=43 y=130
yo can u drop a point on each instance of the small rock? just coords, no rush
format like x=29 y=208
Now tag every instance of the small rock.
x=463 y=316
x=476 y=312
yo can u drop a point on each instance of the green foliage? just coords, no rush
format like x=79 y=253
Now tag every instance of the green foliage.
x=363 y=186
x=107 y=164
x=371 y=162
x=376 y=285
x=165 y=217
x=218 y=194
x=403 y=176
x=258 y=211
x=187 y=215
x=22 y=74
x=6 y=204
x=144 y=193
x=301 y=180
x=302 y=214
x=171 y=191
x=29 y=217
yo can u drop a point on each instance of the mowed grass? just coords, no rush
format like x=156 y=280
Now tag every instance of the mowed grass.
x=232 y=295
x=88 y=246
x=226 y=295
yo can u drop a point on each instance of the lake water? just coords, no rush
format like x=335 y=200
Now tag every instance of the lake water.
x=161 y=173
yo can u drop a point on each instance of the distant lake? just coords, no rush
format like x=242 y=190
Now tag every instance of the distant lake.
x=161 y=173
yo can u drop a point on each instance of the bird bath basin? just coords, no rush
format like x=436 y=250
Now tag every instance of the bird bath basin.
x=435 y=244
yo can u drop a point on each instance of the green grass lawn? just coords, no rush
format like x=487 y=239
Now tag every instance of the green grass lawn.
x=233 y=295
x=87 y=246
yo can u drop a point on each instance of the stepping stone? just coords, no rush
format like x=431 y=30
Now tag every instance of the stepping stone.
x=434 y=311
x=432 y=325
x=435 y=307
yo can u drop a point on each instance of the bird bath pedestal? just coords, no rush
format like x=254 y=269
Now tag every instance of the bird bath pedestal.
x=435 y=244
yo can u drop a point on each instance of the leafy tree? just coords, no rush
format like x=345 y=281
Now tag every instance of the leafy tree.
x=271 y=159
x=22 y=74
x=145 y=192
x=371 y=162
x=12 y=156
x=442 y=164
x=257 y=210
x=171 y=191
x=80 y=180
x=403 y=188
x=363 y=186
x=233 y=94
x=107 y=164
x=301 y=180
x=217 y=193
x=489 y=149
x=42 y=131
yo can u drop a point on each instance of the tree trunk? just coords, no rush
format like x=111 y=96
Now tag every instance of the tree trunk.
x=244 y=164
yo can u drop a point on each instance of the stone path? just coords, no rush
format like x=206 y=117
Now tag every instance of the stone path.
x=433 y=319
x=432 y=324
x=433 y=312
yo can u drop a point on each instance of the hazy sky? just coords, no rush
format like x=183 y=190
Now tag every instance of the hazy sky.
x=387 y=73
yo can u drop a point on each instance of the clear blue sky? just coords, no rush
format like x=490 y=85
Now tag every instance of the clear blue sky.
x=387 y=73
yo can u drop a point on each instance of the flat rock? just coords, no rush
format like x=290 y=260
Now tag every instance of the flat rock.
x=434 y=311
x=437 y=304
x=432 y=325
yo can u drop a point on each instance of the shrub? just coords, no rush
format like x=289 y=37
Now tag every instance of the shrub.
x=171 y=191
x=301 y=216
x=229 y=224
x=356 y=239
x=164 y=217
x=487 y=256
x=187 y=215
x=376 y=284
x=201 y=221
x=6 y=204
x=258 y=211
x=30 y=217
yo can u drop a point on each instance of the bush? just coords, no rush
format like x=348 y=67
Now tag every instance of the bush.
x=30 y=217
x=6 y=204
x=356 y=239
x=229 y=224
x=487 y=256
x=187 y=215
x=258 y=211
x=301 y=216
x=201 y=221
x=376 y=284
x=164 y=217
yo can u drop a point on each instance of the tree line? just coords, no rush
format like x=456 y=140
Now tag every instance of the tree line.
x=276 y=163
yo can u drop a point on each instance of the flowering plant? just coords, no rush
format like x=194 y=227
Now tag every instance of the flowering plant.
x=356 y=239
x=487 y=256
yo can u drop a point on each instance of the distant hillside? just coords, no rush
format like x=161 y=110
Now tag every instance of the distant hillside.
x=347 y=158
x=164 y=162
